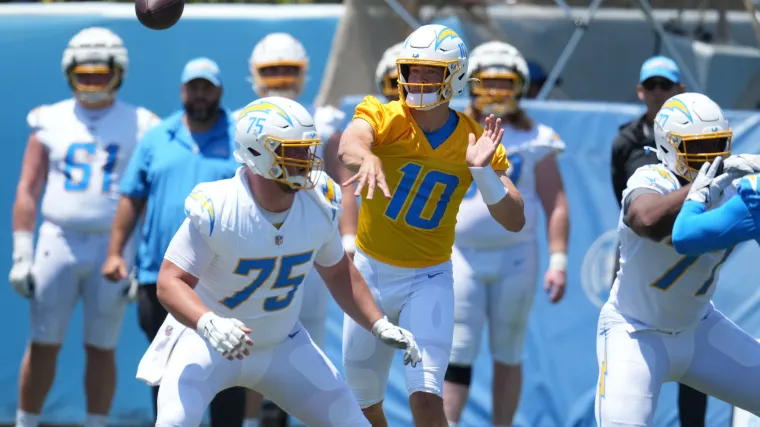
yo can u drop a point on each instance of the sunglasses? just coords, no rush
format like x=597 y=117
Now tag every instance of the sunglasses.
x=653 y=84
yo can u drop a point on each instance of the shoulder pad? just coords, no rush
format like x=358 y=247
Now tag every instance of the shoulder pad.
x=549 y=139
x=200 y=208
x=147 y=119
x=328 y=119
x=328 y=194
x=36 y=117
x=656 y=177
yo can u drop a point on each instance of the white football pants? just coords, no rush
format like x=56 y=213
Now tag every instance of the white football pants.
x=66 y=267
x=420 y=300
x=497 y=287
x=294 y=374
x=715 y=357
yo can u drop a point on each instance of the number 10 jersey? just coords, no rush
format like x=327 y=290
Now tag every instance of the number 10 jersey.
x=427 y=175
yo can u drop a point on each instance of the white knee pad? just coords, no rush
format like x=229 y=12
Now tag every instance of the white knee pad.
x=507 y=339
x=104 y=307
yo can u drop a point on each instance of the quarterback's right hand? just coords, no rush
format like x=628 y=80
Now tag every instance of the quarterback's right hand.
x=370 y=174
x=394 y=336
x=115 y=268
x=20 y=276
x=227 y=336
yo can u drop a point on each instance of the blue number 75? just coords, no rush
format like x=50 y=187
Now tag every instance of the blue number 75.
x=266 y=267
x=256 y=121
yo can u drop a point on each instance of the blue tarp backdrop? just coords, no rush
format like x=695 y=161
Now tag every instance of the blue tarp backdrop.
x=560 y=360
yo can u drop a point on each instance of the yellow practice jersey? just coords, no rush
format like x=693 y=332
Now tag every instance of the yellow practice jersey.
x=428 y=177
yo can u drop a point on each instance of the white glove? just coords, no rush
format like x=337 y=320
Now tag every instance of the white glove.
x=700 y=187
x=225 y=335
x=742 y=164
x=20 y=276
x=394 y=336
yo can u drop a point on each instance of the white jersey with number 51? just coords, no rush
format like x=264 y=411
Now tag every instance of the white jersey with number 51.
x=87 y=150
x=657 y=288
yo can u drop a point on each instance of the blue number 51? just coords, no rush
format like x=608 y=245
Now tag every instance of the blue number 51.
x=85 y=169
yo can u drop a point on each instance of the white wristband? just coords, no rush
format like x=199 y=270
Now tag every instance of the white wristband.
x=490 y=186
x=558 y=261
x=349 y=243
x=23 y=244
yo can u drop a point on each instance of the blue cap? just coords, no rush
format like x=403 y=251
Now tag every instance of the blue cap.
x=537 y=73
x=660 y=66
x=202 y=68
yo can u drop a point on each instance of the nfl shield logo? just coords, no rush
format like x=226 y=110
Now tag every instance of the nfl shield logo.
x=168 y=330
x=278 y=240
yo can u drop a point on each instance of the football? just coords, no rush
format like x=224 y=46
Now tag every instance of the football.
x=159 y=14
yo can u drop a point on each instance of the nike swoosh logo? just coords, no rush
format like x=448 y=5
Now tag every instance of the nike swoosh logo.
x=294 y=334
x=430 y=276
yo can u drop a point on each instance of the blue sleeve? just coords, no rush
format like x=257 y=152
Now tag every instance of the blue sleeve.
x=134 y=182
x=696 y=232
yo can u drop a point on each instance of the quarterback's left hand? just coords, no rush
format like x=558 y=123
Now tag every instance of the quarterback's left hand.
x=394 y=336
x=480 y=152
x=554 y=284
x=700 y=187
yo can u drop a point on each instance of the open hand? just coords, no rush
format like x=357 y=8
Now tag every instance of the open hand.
x=480 y=152
x=371 y=175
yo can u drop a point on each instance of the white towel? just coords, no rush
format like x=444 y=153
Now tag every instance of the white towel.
x=153 y=363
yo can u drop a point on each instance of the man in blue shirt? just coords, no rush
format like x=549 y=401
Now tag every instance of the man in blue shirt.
x=699 y=229
x=191 y=146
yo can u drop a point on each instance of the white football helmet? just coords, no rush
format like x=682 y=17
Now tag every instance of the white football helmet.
x=95 y=51
x=489 y=63
x=278 y=65
x=689 y=130
x=386 y=75
x=276 y=138
x=433 y=46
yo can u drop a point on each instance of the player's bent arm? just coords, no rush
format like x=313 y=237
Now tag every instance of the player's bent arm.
x=127 y=213
x=350 y=216
x=650 y=214
x=187 y=257
x=350 y=292
x=356 y=144
x=696 y=232
x=175 y=292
